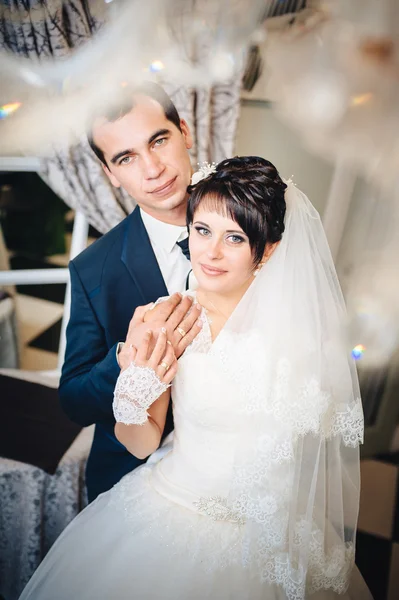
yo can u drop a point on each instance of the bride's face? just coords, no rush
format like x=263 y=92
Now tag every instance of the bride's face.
x=220 y=252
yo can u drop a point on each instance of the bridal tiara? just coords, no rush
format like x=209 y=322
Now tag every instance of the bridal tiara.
x=205 y=169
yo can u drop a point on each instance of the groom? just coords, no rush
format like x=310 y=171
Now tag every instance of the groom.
x=143 y=146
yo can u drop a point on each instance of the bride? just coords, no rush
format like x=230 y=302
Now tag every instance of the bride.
x=257 y=495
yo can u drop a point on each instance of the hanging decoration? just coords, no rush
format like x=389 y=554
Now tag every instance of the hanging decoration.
x=335 y=77
x=184 y=41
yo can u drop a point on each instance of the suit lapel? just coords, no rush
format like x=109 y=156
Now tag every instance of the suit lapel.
x=139 y=259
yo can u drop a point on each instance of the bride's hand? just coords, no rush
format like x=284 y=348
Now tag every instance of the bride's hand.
x=159 y=357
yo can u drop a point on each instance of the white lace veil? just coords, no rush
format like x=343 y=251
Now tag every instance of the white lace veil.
x=296 y=468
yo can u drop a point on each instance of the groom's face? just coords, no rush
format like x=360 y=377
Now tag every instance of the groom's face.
x=147 y=155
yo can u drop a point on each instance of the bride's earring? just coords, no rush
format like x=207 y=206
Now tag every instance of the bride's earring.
x=258 y=268
x=268 y=252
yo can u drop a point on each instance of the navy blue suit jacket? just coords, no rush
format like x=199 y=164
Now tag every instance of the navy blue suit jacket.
x=109 y=280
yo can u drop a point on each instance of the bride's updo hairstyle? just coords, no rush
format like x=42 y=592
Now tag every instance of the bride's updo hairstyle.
x=249 y=190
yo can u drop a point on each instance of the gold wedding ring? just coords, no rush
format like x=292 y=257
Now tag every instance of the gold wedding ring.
x=164 y=365
x=181 y=331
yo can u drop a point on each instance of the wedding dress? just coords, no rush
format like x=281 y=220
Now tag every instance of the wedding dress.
x=257 y=495
x=166 y=530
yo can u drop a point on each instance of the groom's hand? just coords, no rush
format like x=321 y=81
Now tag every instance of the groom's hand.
x=172 y=314
x=180 y=318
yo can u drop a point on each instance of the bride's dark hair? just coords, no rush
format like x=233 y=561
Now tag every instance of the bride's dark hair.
x=251 y=192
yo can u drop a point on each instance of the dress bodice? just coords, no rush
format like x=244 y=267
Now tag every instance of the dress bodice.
x=207 y=423
x=200 y=463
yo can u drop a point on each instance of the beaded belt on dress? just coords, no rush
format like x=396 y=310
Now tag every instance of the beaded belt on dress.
x=216 y=507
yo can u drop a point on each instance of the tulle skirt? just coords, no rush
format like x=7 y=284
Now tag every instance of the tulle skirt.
x=133 y=543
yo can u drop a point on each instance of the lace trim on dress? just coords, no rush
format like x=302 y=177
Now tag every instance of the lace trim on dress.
x=141 y=504
x=302 y=409
x=135 y=497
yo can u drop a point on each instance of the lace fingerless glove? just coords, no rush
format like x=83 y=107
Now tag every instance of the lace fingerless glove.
x=136 y=389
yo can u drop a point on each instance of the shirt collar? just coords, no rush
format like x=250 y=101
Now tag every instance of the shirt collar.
x=162 y=234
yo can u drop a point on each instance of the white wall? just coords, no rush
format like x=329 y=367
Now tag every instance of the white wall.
x=261 y=133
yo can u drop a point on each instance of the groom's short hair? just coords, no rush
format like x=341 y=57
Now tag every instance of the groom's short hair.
x=124 y=104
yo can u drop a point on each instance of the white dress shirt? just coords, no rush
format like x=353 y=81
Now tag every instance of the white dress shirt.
x=173 y=264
